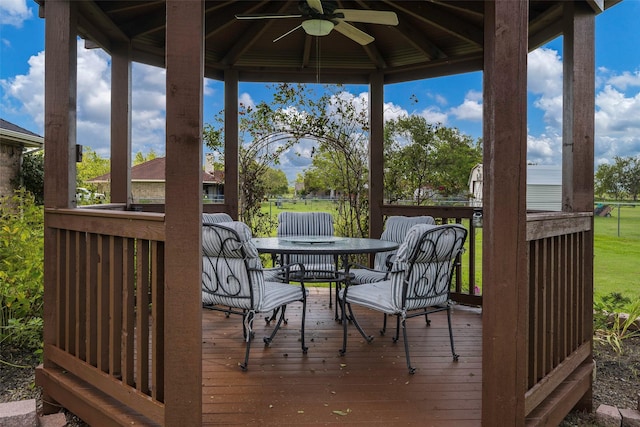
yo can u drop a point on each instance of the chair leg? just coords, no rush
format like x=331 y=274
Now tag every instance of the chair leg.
x=247 y=324
x=384 y=324
x=453 y=351
x=396 y=337
x=343 y=350
x=412 y=370
x=304 y=313
x=352 y=317
x=426 y=317
x=267 y=340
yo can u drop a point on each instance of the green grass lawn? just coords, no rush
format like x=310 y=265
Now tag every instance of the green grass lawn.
x=617 y=258
x=617 y=245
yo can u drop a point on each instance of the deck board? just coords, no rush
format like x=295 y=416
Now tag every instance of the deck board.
x=368 y=385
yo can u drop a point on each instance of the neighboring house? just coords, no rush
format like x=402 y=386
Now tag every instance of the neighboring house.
x=148 y=180
x=544 y=187
x=14 y=142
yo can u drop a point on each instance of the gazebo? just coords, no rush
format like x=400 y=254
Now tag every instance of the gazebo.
x=119 y=276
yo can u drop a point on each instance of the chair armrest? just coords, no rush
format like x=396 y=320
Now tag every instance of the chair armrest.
x=365 y=267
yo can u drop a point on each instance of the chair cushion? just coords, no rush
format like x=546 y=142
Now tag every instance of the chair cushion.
x=377 y=296
x=307 y=224
x=212 y=218
x=231 y=268
x=363 y=275
x=277 y=294
x=395 y=230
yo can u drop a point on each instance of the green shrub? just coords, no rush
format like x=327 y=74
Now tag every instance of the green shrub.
x=21 y=270
x=609 y=326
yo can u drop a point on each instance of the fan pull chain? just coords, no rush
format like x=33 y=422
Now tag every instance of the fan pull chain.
x=318 y=60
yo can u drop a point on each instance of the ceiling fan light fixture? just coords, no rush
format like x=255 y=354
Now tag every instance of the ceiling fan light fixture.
x=317 y=27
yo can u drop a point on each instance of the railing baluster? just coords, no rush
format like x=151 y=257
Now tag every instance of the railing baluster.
x=128 y=316
x=142 y=317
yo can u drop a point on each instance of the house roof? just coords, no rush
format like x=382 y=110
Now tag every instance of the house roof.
x=15 y=135
x=154 y=171
x=432 y=38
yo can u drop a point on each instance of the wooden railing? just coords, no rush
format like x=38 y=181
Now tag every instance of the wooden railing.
x=109 y=303
x=559 y=324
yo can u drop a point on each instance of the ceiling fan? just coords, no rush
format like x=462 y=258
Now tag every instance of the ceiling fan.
x=322 y=16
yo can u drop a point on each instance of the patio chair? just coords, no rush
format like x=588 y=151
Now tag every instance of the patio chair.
x=419 y=282
x=213 y=218
x=233 y=281
x=318 y=268
x=396 y=228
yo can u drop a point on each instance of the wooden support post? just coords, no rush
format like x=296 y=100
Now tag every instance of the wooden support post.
x=60 y=133
x=376 y=153
x=183 y=246
x=60 y=103
x=120 y=123
x=505 y=269
x=231 y=177
x=578 y=140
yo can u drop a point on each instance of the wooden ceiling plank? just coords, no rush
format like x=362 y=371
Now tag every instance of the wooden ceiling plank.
x=467 y=6
x=375 y=56
x=436 y=15
x=127 y=6
x=246 y=41
x=429 y=49
x=216 y=21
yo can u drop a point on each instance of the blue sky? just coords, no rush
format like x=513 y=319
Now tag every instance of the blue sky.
x=455 y=101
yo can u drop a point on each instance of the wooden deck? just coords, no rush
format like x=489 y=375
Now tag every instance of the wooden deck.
x=368 y=385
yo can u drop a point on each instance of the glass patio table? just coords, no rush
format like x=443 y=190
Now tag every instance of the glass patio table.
x=340 y=247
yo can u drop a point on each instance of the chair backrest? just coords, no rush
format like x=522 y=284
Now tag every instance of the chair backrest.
x=231 y=268
x=422 y=272
x=307 y=224
x=395 y=230
x=213 y=218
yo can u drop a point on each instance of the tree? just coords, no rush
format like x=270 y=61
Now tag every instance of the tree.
x=619 y=180
x=275 y=182
x=423 y=161
x=92 y=165
x=630 y=175
x=31 y=175
x=141 y=158
x=608 y=181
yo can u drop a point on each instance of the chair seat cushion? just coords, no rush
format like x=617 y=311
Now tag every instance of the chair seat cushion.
x=377 y=296
x=277 y=294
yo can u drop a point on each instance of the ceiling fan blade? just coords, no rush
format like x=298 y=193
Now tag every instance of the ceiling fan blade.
x=287 y=33
x=247 y=16
x=315 y=5
x=353 y=33
x=369 y=16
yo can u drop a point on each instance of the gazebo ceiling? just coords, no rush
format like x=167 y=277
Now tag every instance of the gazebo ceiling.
x=432 y=38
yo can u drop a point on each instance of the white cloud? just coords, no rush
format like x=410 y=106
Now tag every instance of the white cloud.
x=25 y=93
x=246 y=100
x=14 y=12
x=545 y=148
x=625 y=80
x=434 y=115
x=544 y=72
x=471 y=107
x=617 y=124
x=391 y=111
